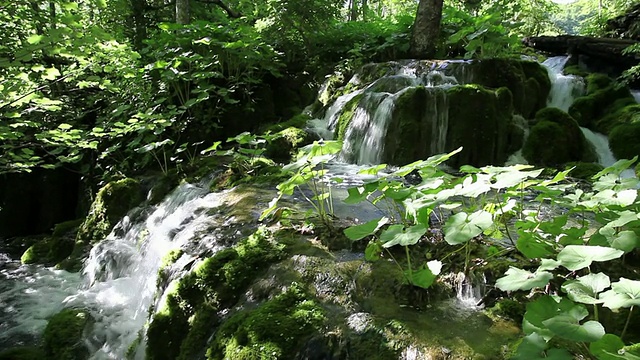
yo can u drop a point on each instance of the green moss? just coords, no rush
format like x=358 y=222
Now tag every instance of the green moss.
x=597 y=81
x=48 y=251
x=286 y=143
x=597 y=109
x=112 y=202
x=63 y=335
x=298 y=121
x=203 y=323
x=574 y=70
x=583 y=170
x=479 y=120
x=556 y=139
x=23 y=353
x=215 y=283
x=334 y=81
x=511 y=309
x=66 y=227
x=274 y=330
x=346 y=116
x=623 y=140
x=528 y=81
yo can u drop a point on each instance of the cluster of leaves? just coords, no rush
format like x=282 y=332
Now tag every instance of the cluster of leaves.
x=569 y=232
x=481 y=36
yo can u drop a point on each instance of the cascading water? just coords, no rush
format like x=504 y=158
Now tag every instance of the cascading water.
x=564 y=90
x=120 y=274
x=364 y=138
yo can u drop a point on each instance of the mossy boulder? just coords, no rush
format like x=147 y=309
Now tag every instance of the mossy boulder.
x=274 y=330
x=49 y=251
x=623 y=140
x=286 y=143
x=188 y=315
x=63 y=336
x=602 y=107
x=556 y=139
x=112 y=202
x=583 y=170
x=433 y=120
x=346 y=116
x=528 y=81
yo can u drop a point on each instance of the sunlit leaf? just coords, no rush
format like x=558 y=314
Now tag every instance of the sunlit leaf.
x=462 y=227
x=367 y=229
x=398 y=235
x=576 y=257
x=518 y=279
x=568 y=328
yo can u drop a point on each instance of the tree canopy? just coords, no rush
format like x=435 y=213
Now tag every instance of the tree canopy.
x=104 y=87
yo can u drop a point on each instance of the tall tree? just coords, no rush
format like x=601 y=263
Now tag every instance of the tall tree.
x=426 y=29
x=182 y=12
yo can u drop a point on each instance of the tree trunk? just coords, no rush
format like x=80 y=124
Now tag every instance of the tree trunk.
x=138 y=8
x=353 y=16
x=426 y=29
x=182 y=12
x=365 y=9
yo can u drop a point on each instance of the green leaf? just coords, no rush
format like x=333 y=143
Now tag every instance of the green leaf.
x=51 y=73
x=35 y=39
x=576 y=257
x=425 y=276
x=462 y=227
x=625 y=240
x=367 y=229
x=532 y=246
x=624 y=293
x=518 y=279
x=373 y=251
x=585 y=289
x=611 y=347
x=398 y=235
x=567 y=327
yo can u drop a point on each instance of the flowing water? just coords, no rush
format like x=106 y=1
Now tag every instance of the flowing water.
x=118 y=283
x=365 y=135
x=564 y=90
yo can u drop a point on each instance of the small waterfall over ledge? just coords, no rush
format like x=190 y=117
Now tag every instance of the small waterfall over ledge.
x=564 y=90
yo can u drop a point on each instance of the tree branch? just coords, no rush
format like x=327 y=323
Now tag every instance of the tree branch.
x=230 y=12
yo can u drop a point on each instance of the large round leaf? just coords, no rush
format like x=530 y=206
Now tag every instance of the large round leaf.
x=567 y=327
x=624 y=293
x=398 y=235
x=363 y=230
x=462 y=227
x=585 y=289
x=576 y=257
x=518 y=279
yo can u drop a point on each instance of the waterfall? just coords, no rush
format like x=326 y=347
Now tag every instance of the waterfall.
x=365 y=135
x=564 y=90
x=469 y=289
x=120 y=275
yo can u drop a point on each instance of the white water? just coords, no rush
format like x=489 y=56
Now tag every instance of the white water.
x=564 y=90
x=364 y=138
x=119 y=276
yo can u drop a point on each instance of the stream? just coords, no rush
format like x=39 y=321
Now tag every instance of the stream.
x=118 y=284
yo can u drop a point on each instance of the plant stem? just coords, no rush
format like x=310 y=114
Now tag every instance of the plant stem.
x=626 y=324
x=595 y=312
x=406 y=249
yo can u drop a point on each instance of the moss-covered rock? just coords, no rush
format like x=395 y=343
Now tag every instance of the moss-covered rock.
x=23 y=353
x=112 y=202
x=623 y=140
x=556 y=139
x=599 y=108
x=274 y=330
x=214 y=284
x=528 y=81
x=434 y=120
x=286 y=143
x=63 y=338
x=346 y=116
x=49 y=251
